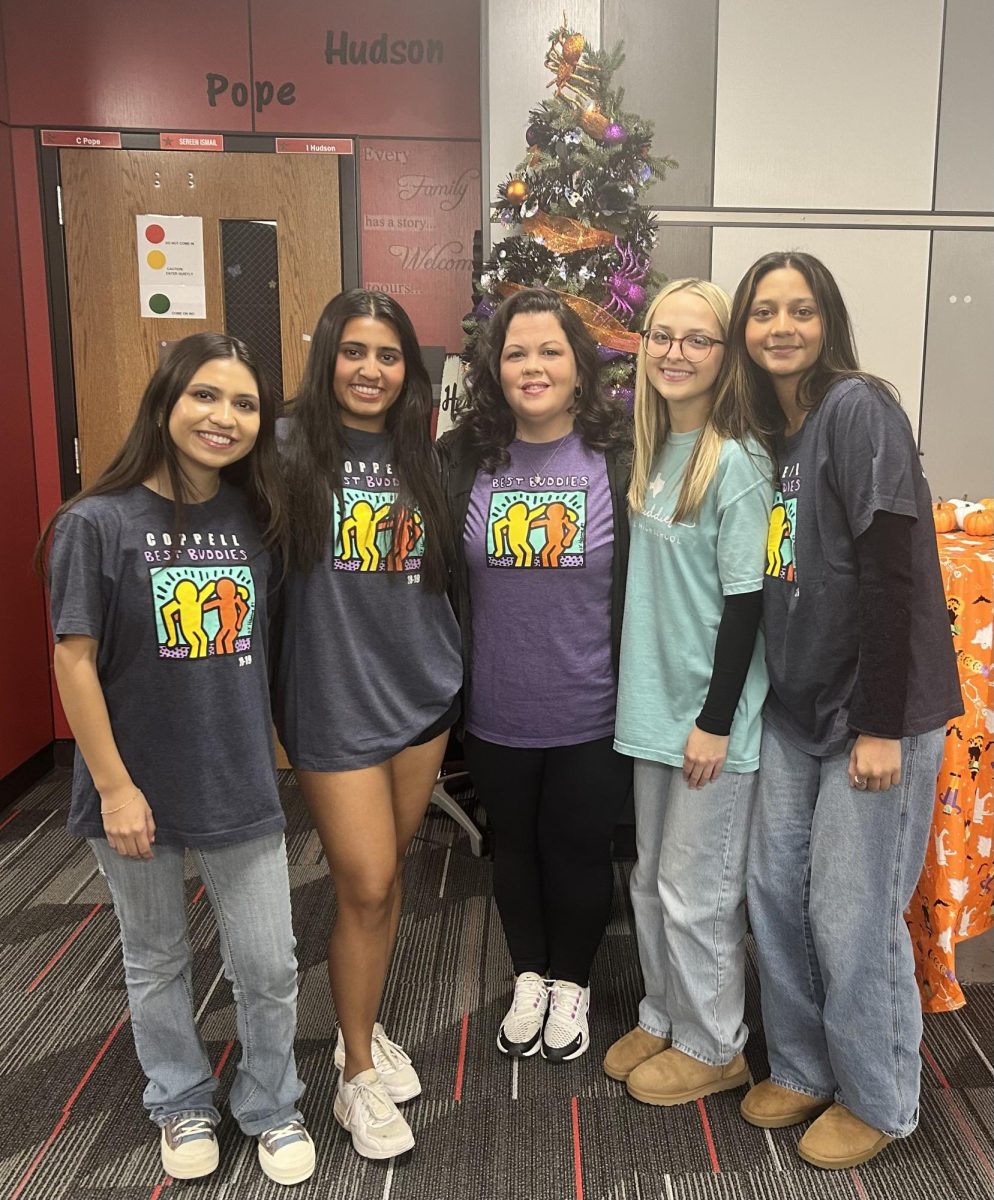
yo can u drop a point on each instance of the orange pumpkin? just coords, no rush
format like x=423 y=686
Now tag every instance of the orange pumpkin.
x=944 y=505
x=987 y=502
x=945 y=518
x=979 y=523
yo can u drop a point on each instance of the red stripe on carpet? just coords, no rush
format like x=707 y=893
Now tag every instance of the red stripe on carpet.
x=63 y=948
x=461 y=1064
x=223 y=1059
x=964 y=1125
x=712 y=1152
x=67 y=1108
x=858 y=1185
x=15 y=813
x=160 y=1187
x=574 y=1110
x=198 y=895
x=927 y=1055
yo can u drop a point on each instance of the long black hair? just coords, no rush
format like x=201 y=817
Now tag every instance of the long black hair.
x=745 y=399
x=488 y=422
x=149 y=445
x=316 y=447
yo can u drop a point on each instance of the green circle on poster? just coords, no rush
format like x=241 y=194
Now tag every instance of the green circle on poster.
x=159 y=303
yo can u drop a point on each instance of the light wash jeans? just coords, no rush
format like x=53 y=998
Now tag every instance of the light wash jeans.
x=248 y=888
x=688 y=894
x=831 y=870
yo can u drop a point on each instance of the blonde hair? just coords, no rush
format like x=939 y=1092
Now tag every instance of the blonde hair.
x=652 y=423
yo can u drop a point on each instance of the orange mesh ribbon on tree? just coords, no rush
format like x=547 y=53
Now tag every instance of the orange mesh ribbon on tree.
x=563 y=235
x=602 y=327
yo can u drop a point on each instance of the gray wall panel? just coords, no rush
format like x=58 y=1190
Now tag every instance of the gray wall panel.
x=683 y=251
x=957 y=437
x=965 y=161
x=669 y=77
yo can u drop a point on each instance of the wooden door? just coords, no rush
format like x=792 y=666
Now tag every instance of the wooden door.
x=115 y=347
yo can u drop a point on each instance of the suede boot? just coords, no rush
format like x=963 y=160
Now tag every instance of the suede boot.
x=631 y=1050
x=839 y=1139
x=675 y=1078
x=771 y=1106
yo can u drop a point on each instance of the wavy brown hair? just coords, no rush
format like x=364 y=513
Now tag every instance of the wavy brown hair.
x=487 y=423
x=149 y=445
x=745 y=401
x=316 y=450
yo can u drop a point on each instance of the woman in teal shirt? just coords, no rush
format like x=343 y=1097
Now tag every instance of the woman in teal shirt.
x=691 y=690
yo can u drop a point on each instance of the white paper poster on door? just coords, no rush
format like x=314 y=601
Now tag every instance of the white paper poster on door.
x=171 y=266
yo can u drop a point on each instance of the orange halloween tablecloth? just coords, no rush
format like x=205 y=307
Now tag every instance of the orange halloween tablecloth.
x=954 y=899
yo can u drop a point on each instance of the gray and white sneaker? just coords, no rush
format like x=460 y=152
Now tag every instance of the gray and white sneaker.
x=392 y=1063
x=566 y=1034
x=364 y=1108
x=286 y=1153
x=520 y=1032
x=188 y=1146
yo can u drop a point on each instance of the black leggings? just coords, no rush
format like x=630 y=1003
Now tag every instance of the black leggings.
x=551 y=814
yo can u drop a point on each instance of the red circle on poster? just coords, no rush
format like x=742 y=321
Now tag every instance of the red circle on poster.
x=154 y=234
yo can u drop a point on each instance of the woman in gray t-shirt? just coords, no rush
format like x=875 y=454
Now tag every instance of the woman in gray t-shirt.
x=369 y=666
x=160 y=573
x=862 y=682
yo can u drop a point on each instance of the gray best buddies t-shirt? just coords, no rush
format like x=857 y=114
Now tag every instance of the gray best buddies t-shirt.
x=853 y=456
x=369 y=657
x=182 y=632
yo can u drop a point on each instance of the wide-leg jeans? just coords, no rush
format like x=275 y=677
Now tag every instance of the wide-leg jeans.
x=831 y=870
x=248 y=888
x=688 y=895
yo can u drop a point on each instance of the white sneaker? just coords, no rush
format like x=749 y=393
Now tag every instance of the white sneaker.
x=566 y=1034
x=363 y=1107
x=188 y=1147
x=392 y=1065
x=286 y=1153
x=520 y=1032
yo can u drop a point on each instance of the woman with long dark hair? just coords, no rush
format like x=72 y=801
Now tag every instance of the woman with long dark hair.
x=537 y=473
x=862 y=683
x=160 y=576
x=369 y=671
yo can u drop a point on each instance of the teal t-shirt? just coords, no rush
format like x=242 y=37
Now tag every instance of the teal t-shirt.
x=678 y=577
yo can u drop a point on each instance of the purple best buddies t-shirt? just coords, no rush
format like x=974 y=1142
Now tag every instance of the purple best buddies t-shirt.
x=539 y=542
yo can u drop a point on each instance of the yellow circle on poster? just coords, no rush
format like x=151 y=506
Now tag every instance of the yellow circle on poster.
x=156 y=260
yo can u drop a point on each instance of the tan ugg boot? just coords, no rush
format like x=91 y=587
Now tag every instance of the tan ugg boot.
x=675 y=1078
x=771 y=1106
x=631 y=1050
x=839 y=1139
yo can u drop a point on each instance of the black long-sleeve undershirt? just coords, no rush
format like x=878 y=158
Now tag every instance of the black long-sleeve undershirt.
x=733 y=649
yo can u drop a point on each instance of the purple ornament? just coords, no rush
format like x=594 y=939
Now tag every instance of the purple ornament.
x=606 y=354
x=614 y=134
x=626 y=395
x=644 y=172
x=625 y=284
x=486 y=306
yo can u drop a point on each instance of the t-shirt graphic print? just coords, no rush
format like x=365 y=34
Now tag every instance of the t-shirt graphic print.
x=370 y=534
x=541 y=528
x=201 y=612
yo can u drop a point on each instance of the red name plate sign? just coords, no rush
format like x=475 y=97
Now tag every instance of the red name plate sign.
x=84 y=138
x=298 y=145
x=191 y=141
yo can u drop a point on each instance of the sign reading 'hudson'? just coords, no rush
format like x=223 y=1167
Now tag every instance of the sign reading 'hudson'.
x=341 y=50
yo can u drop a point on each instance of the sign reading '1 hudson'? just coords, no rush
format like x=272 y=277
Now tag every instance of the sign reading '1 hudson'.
x=340 y=49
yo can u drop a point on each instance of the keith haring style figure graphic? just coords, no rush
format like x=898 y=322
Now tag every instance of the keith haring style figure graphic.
x=203 y=612
x=780 y=562
x=369 y=537
x=536 y=529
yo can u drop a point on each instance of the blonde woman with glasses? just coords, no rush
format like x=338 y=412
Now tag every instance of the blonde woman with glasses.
x=692 y=685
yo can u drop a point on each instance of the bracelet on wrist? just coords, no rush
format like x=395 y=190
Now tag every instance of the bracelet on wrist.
x=106 y=812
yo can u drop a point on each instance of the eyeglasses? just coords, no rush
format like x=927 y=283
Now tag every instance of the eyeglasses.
x=695 y=347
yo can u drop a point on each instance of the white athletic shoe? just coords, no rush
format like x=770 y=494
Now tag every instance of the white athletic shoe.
x=566 y=1034
x=392 y=1063
x=363 y=1107
x=520 y=1032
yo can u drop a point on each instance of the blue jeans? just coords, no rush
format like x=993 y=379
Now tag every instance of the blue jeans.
x=831 y=870
x=688 y=895
x=249 y=891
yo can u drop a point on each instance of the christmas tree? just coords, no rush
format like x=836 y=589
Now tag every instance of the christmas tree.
x=573 y=200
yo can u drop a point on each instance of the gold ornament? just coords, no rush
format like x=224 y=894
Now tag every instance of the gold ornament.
x=594 y=122
x=602 y=327
x=516 y=191
x=563 y=235
x=573 y=47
